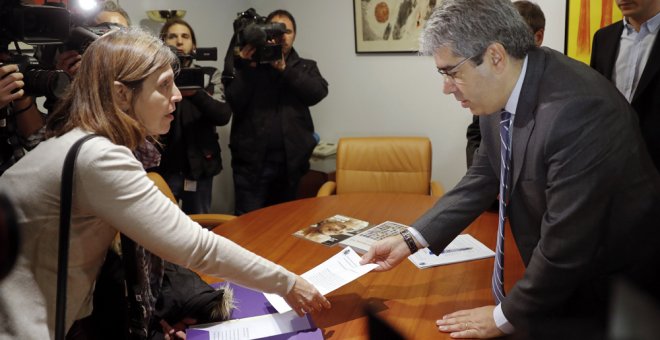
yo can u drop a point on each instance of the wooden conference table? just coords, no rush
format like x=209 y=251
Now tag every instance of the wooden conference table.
x=408 y=298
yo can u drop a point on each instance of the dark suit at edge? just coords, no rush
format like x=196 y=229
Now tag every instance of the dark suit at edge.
x=646 y=99
x=585 y=199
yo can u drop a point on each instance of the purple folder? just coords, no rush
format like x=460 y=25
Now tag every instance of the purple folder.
x=252 y=303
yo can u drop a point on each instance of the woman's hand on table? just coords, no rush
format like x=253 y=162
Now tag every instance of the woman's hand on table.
x=305 y=298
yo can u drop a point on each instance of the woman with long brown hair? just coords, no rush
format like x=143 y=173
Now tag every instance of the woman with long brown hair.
x=124 y=91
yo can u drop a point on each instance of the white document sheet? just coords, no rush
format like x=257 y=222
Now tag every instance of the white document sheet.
x=463 y=248
x=257 y=327
x=335 y=272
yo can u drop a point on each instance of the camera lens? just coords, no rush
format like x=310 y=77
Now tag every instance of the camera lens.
x=50 y=83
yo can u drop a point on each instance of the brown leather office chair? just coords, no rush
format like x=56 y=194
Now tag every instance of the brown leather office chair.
x=383 y=164
x=208 y=221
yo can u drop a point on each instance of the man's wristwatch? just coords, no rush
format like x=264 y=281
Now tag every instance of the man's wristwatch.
x=410 y=241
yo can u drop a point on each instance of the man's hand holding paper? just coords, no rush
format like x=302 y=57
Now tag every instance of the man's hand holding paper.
x=387 y=253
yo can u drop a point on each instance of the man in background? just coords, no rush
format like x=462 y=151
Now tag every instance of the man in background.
x=190 y=151
x=534 y=17
x=627 y=52
x=108 y=13
x=272 y=133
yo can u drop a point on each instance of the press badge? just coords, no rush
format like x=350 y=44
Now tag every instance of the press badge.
x=189 y=185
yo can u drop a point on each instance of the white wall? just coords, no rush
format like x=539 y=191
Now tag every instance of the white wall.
x=374 y=94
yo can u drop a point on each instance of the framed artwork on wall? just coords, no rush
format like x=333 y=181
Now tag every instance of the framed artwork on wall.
x=390 y=25
x=583 y=19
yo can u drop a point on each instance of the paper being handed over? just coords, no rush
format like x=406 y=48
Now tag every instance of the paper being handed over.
x=335 y=272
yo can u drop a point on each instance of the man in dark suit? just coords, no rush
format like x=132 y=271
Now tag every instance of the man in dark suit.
x=627 y=52
x=583 y=198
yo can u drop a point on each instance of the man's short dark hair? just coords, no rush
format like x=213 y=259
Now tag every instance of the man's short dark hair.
x=532 y=14
x=110 y=6
x=177 y=21
x=282 y=13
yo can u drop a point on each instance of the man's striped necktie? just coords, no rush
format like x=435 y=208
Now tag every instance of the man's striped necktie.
x=505 y=174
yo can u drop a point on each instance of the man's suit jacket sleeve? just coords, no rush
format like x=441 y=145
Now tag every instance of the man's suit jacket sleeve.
x=461 y=205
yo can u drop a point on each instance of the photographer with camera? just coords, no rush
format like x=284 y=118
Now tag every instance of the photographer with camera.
x=272 y=133
x=110 y=13
x=21 y=122
x=191 y=153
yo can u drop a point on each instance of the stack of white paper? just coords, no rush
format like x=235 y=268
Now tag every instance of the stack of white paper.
x=256 y=327
x=463 y=248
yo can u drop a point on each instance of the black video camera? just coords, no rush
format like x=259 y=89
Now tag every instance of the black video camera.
x=252 y=29
x=81 y=36
x=34 y=25
x=48 y=27
x=40 y=82
x=191 y=77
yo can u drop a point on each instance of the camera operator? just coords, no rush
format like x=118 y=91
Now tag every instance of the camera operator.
x=191 y=153
x=21 y=122
x=272 y=129
x=109 y=13
x=21 y=128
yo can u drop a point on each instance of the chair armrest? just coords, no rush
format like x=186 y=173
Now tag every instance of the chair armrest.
x=436 y=189
x=327 y=189
x=210 y=221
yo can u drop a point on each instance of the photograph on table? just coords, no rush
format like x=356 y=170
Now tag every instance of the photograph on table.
x=332 y=230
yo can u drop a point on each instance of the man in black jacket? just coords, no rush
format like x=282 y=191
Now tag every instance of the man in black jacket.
x=627 y=53
x=191 y=154
x=272 y=129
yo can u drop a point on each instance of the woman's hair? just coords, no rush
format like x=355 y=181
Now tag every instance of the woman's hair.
x=177 y=21
x=127 y=56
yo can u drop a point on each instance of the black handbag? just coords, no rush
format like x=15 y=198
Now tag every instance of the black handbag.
x=188 y=297
x=83 y=327
x=66 y=191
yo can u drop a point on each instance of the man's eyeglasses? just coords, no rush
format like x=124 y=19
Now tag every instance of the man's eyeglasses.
x=449 y=72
